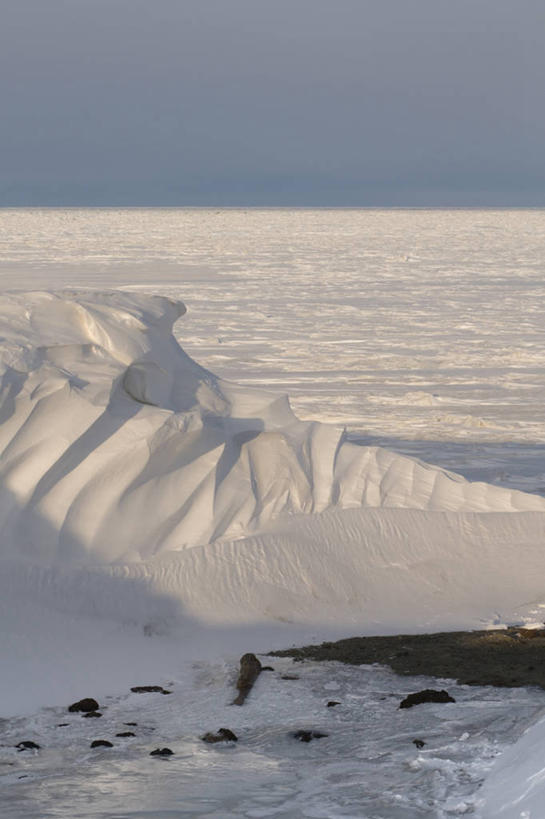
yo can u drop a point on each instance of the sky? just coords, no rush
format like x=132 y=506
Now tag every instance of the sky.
x=272 y=102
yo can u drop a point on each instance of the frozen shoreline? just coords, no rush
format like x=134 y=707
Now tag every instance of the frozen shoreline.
x=450 y=359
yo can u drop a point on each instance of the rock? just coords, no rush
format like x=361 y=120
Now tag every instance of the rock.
x=223 y=735
x=132 y=724
x=101 y=743
x=162 y=752
x=333 y=703
x=267 y=668
x=307 y=736
x=419 y=743
x=86 y=704
x=427 y=695
x=62 y=724
x=28 y=745
x=289 y=677
x=250 y=668
x=126 y=734
x=93 y=714
x=149 y=689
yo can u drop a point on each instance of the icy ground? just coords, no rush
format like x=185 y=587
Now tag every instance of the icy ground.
x=420 y=326
x=367 y=766
x=421 y=331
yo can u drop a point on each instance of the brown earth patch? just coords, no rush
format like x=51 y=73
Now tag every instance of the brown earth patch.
x=507 y=657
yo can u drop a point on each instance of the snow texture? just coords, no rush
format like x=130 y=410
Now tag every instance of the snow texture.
x=154 y=515
x=117 y=446
x=125 y=463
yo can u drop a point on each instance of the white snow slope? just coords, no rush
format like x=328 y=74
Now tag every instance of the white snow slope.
x=117 y=446
x=139 y=488
x=119 y=452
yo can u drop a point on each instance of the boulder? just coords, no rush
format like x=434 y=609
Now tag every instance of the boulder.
x=162 y=752
x=149 y=689
x=250 y=668
x=223 y=735
x=28 y=745
x=101 y=743
x=86 y=704
x=427 y=695
x=307 y=736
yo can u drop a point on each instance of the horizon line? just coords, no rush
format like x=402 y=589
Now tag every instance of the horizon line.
x=267 y=207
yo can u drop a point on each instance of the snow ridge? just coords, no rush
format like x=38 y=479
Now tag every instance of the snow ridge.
x=115 y=445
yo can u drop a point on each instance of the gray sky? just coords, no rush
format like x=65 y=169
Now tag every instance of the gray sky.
x=296 y=102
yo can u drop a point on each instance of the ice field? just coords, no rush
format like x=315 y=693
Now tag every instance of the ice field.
x=166 y=508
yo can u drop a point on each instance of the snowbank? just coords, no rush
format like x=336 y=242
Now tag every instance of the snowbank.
x=116 y=446
x=139 y=489
x=515 y=788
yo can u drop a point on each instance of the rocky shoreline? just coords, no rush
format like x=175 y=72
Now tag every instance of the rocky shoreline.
x=509 y=657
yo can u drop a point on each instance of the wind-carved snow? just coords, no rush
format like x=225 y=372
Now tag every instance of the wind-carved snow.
x=116 y=445
x=143 y=497
x=138 y=485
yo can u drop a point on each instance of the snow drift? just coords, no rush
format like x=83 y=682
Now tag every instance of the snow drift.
x=515 y=787
x=138 y=486
x=116 y=446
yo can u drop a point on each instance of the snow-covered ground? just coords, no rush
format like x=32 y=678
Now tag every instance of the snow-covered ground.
x=158 y=517
x=406 y=326
x=367 y=766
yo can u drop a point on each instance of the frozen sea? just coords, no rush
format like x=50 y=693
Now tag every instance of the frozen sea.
x=418 y=330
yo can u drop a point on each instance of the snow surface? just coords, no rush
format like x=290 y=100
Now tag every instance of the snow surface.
x=515 y=788
x=117 y=446
x=155 y=515
x=420 y=330
x=367 y=766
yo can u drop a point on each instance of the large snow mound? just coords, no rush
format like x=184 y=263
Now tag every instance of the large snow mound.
x=115 y=445
x=515 y=787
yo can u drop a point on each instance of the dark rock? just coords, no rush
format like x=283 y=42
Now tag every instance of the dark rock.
x=162 y=752
x=427 y=695
x=62 y=724
x=149 y=689
x=101 y=743
x=419 y=743
x=126 y=734
x=92 y=714
x=87 y=704
x=250 y=668
x=307 y=736
x=289 y=677
x=267 y=668
x=28 y=745
x=333 y=703
x=223 y=735
x=132 y=724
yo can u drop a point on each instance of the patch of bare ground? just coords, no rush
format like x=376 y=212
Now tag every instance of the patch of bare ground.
x=508 y=657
